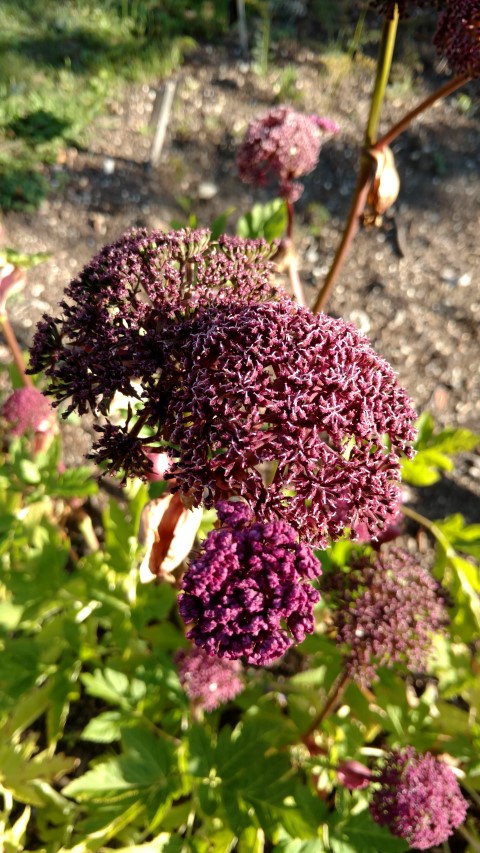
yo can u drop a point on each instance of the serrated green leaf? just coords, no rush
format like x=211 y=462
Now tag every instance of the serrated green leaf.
x=105 y=728
x=14 y=836
x=363 y=835
x=74 y=482
x=107 y=684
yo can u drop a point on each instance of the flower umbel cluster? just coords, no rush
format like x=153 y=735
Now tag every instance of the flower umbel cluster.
x=250 y=395
x=208 y=681
x=126 y=315
x=247 y=593
x=419 y=799
x=27 y=409
x=288 y=410
x=283 y=144
x=385 y=612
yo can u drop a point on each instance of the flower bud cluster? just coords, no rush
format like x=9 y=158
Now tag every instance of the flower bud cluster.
x=418 y=799
x=283 y=144
x=208 y=681
x=386 y=611
x=247 y=593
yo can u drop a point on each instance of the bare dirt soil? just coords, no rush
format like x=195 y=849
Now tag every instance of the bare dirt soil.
x=411 y=285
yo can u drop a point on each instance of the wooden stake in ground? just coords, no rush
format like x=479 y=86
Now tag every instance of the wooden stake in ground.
x=242 y=28
x=162 y=108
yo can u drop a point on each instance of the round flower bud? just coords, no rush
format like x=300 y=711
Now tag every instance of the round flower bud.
x=246 y=594
x=27 y=409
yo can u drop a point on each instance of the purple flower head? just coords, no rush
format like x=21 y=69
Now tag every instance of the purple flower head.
x=208 y=681
x=385 y=612
x=247 y=594
x=419 y=799
x=283 y=144
x=458 y=36
x=127 y=313
x=27 y=409
x=287 y=410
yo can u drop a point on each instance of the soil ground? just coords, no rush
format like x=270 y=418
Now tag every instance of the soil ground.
x=411 y=284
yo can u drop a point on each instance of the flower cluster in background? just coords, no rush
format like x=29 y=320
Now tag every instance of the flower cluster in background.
x=385 y=611
x=208 y=681
x=458 y=36
x=418 y=799
x=282 y=145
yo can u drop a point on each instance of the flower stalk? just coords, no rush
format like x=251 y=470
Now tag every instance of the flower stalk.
x=360 y=195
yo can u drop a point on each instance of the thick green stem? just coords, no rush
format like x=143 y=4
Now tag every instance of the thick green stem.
x=360 y=195
x=423 y=521
x=384 y=65
x=15 y=350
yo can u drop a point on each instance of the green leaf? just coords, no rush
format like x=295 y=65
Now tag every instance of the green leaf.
x=219 y=224
x=105 y=728
x=361 y=835
x=74 y=482
x=264 y=220
x=107 y=684
x=22 y=259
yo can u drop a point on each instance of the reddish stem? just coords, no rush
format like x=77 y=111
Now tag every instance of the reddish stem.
x=335 y=694
x=353 y=222
x=15 y=350
x=289 y=220
x=397 y=129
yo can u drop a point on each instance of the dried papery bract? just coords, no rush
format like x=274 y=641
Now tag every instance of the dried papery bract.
x=385 y=611
x=167 y=530
x=247 y=593
x=283 y=144
x=418 y=798
x=208 y=681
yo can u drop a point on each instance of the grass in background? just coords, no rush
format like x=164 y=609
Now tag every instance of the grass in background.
x=59 y=65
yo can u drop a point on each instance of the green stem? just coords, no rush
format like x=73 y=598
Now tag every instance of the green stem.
x=423 y=521
x=384 y=64
x=334 y=695
x=447 y=89
x=474 y=844
x=15 y=350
